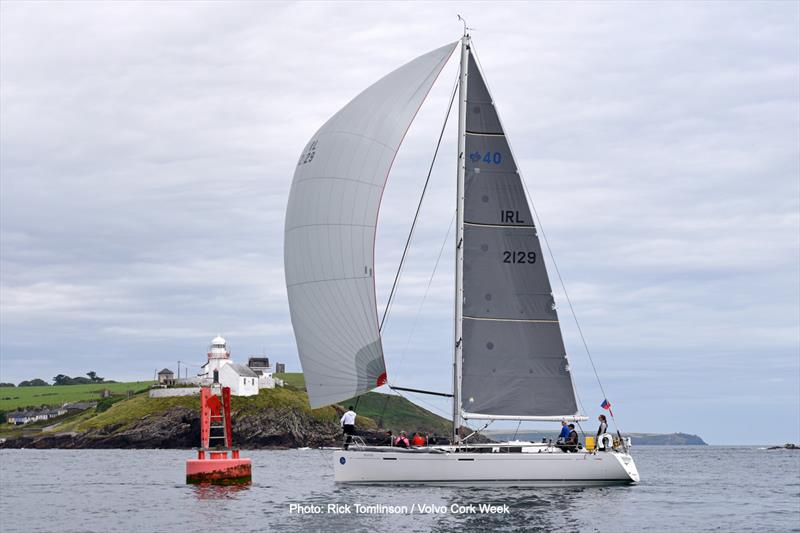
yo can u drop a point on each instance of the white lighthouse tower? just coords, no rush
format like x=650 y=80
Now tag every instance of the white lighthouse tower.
x=218 y=355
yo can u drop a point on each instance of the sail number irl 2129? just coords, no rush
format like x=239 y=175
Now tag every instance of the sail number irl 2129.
x=517 y=257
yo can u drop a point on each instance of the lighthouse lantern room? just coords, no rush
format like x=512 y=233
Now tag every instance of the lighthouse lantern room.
x=218 y=355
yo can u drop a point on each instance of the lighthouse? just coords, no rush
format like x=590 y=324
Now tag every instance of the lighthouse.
x=220 y=367
x=218 y=355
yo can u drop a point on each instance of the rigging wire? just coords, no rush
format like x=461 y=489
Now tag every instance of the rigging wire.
x=429 y=405
x=517 y=430
x=416 y=214
x=427 y=290
x=582 y=431
x=569 y=300
x=424 y=297
x=558 y=273
x=411 y=235
x=486 y=425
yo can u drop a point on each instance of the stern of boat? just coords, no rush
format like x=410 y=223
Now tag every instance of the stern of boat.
x=626 y=462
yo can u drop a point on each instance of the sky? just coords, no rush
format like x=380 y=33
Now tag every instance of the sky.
x=147 y=149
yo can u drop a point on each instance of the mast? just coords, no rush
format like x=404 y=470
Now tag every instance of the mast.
x=459 y=289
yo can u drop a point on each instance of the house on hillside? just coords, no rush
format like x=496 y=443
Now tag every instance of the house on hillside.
x=54 y=412
x=241 y=379
x=19 y=418
x=166 y=377
x=260 y=365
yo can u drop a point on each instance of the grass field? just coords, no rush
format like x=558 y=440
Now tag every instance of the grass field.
x=15 y=397
x=293 y=379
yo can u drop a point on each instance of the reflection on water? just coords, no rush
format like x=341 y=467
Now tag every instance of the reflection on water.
x=683 y=488
x=218 y=492
x=530 y=509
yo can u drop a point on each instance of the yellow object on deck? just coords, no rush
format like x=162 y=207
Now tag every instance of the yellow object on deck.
x=589 y=443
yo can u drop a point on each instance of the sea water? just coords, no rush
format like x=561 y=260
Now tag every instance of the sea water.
x=683 y=488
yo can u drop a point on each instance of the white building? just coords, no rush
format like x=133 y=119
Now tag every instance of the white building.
x=241 y=380
x=261 y=366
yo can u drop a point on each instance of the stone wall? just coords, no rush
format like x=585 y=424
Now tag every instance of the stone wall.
x=180 y=391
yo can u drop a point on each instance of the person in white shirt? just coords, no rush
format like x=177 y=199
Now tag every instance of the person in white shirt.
x=348 y=424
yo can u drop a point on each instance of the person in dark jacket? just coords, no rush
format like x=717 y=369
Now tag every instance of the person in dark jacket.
x=601 y=432
x=571 y=444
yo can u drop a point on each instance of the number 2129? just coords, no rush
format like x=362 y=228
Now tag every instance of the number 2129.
x=519 y=257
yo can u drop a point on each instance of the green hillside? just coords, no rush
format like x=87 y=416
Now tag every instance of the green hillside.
x=126 y=412
x=15 y=397
x=133 y=409
x=293 y=379
x=375 y=411
x=388 y=411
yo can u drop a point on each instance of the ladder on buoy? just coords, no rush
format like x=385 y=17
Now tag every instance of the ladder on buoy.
x=215 y=414
x=213 y=464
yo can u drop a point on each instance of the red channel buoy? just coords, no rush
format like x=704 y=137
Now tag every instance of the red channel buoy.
x=213 y=465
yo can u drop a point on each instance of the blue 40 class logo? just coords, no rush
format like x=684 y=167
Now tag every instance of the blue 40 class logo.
x=489 y=157
x=342 y=460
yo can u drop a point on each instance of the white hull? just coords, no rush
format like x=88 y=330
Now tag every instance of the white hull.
x=547 y=467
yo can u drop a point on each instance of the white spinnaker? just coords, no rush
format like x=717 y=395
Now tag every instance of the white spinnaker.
x=330 y=227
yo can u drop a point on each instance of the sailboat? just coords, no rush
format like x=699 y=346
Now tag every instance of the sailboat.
x=509 y=359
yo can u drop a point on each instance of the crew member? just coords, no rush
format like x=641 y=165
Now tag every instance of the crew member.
x=562 y=437
x=348 y=423
x=571 y=444
x=402 y=440
x=602 y=432
x=417 y=440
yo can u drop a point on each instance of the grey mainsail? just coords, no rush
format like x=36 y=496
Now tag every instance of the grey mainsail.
x=330 y=231
x=513 y=358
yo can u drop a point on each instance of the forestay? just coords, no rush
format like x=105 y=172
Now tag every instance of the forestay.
x=514 y=361
x=330 y=231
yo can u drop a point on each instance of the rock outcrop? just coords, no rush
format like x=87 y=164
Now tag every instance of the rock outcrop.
x=179 y=427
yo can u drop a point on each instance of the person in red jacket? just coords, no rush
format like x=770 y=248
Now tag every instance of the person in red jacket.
x=417 y=440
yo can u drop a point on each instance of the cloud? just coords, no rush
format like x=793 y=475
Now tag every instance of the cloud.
x=146 y=152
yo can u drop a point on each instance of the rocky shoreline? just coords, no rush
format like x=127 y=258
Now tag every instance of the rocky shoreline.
x=179 y=427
